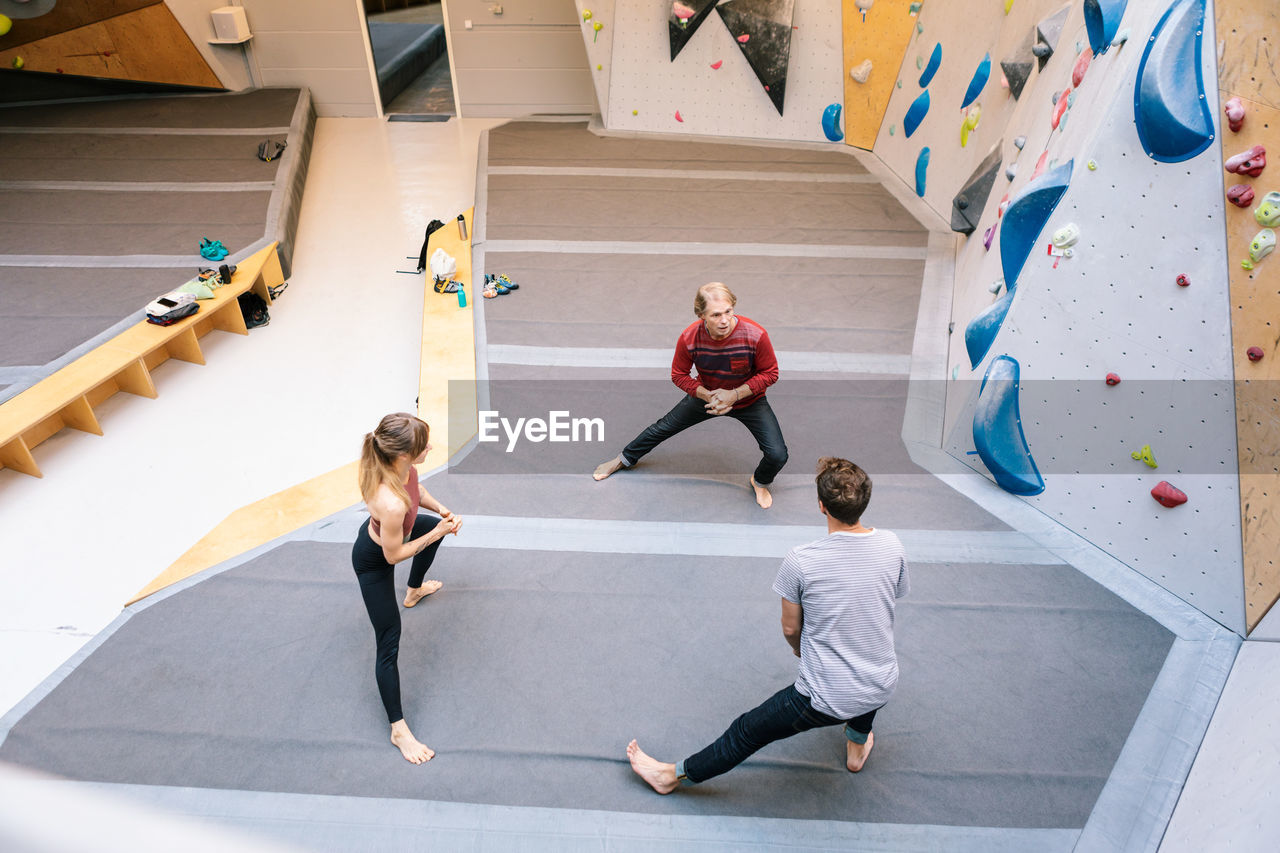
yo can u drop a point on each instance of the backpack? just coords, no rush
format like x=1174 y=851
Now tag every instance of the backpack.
x=254 y=310
x=432 y=226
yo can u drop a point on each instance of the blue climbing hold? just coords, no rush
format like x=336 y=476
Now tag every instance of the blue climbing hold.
x=1025 y=218
x=831 y=123
x=922 y=166
x=1169 y=104
x=935 y=59
x=915 y=114
x=979 y=81
x=997 y=431
x=1102 y=22
x=981 y=332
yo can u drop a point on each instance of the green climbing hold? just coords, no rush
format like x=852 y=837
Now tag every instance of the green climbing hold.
x=899 y=84
x=919 y=27
x=915 y=9
x=919 y=62
x=891 y=130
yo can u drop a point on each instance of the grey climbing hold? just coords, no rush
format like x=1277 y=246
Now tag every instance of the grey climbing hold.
x=1011 y=171
x=1019 y=142
x=966 y=207
x=1048 y=32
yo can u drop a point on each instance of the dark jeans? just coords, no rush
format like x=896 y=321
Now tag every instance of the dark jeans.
x=758 y=417
x=378 y=588
x=782 y=715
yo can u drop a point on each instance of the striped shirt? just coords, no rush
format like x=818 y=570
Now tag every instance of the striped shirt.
x=846 y=584
x=743 y=357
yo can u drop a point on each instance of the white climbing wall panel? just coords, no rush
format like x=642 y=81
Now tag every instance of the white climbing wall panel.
x=599 y=45
x=1114 y=306
x=646 y=88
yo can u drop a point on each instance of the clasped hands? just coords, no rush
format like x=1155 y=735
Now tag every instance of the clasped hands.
x=721 y=401
x=449 y=523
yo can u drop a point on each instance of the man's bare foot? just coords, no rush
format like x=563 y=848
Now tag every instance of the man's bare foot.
x=855 y=754
x=604 y=469
x=413 y=751
x=763 y=497
x=413 y=596
x=661 y=777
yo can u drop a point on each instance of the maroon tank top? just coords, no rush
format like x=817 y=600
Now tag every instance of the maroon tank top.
x=412 y=514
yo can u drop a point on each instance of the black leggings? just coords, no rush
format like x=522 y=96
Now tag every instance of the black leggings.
x=378 y=586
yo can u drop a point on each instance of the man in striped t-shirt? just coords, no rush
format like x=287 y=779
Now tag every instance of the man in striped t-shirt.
x=735 y=363
x=838 y=598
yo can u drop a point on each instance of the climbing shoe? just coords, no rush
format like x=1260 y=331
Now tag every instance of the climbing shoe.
x=445 y=286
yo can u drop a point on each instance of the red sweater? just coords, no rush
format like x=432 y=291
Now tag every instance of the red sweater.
x=744 y=357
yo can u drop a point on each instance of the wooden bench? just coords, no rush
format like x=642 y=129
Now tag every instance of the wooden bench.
x=124 y=363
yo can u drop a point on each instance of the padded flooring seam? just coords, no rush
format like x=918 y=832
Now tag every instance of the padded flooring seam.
x=142 y=186
x=154 y=131
x=779 y=250
x=685 y=174
x=636 y=357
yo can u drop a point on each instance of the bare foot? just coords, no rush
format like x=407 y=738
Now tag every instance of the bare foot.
x=604 y=469
x=762 y=494
x=413 y=596
x=661 y=777
x=855 y=754
x=413 y=751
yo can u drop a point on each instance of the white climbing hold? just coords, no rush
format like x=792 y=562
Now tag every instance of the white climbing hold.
x=861 y=71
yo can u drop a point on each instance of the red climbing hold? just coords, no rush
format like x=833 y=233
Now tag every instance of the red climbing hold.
x=1254 y=353
x=1183 y=281
x=1168 y=495
x=1060 y=107
x=1113 y=379
x=678 y=116
x=1249 y=162
x=1241 y=195
x=1081 y=66
x=742 y=39
x=716 y=65
x=1040 y=164
x=1235 y=114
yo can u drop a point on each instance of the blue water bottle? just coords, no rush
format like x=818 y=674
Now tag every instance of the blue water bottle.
x=462 y=296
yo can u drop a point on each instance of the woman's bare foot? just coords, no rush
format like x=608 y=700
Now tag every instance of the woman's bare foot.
x=855 y=754
x=661 y=777
x=762 y=494
x=413 y=751
x=604 y=469
x=413 y=596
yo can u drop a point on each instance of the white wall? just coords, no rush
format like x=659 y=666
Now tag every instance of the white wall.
x=229 y=62
x=529 y=59
x=728 y=101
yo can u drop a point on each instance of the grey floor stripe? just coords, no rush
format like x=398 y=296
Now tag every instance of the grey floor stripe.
x=108 y=261
x=154 y=131
x=1137 y=802
x=712 y=540
x=19 y=373
x=766 y=250
x=141 y=186
x=619 y=357
x=686 y=174
x=367 y=823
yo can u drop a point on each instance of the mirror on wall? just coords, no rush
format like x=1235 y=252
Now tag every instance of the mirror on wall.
x=409 y=54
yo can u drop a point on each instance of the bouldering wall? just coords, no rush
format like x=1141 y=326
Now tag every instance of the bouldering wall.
x=711 y=87
x=874 y=42
x=1092 y=236
x=1249 y=40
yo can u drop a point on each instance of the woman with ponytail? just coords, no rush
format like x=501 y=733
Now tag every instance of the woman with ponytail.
x=394 y=532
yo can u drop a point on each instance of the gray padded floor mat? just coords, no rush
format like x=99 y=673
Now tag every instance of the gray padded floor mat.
x=530 y=672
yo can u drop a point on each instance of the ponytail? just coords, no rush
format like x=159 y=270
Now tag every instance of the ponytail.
x=397 y=435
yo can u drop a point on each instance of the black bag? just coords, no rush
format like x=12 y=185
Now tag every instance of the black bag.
x=432 y=226
x=254 y=310
x=173 y=316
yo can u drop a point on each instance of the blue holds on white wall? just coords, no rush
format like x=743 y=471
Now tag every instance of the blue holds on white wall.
x=922 y=167
x=915 y=113
x=831 y=123
x=997 y=431
x=935 y=60
x=979 y=81
x=981 y=332
x=1102 y=21
x=1026 y=216
x=1170 y=107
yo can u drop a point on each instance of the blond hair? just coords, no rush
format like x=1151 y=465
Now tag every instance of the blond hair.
x=397 y=435
x=708 y=290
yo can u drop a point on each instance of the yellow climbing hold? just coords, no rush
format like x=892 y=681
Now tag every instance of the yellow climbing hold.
x=6 y=24
x=635 y=112
x=586 y=14
x=971 y=118
x=18 y=62
x=599 y=67
x=1008 y=4
x=1145 y=455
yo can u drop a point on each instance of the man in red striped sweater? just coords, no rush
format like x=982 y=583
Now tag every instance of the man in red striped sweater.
x=735 y=363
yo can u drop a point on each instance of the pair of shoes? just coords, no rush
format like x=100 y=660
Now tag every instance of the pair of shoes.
x=212 y=249
x=489 y=291
x=445 y=286
x=500 y=288
x=502 y=277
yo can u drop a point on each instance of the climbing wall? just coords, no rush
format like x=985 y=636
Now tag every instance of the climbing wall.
x=1249 y=39
x=710 y=84
x=598 y=30
x=874 y=41
x=1108 y=300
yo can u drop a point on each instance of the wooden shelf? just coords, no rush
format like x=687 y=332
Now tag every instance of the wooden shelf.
x=124 y=363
